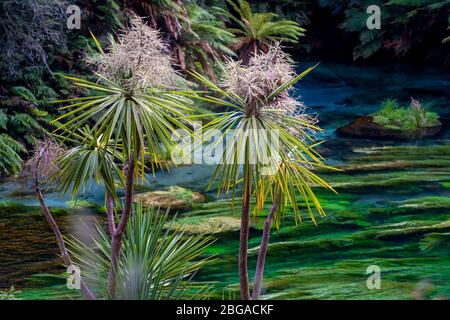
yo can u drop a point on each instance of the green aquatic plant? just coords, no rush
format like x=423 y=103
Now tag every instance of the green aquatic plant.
x=433 y=240
x=9 y=294
x=392 y=115
x=255 y=31
x=156 y=261
x=258 y=100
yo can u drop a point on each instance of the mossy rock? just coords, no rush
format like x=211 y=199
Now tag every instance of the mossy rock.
x=366 y=127
x=174 y=198
x=209 y=225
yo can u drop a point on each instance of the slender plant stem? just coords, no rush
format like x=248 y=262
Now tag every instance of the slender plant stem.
x=110 y=213
x=116 y=241
x=243 y=242
x=259 y=273
x=87 y=293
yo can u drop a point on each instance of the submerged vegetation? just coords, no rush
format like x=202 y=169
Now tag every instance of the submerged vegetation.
x=410 y=245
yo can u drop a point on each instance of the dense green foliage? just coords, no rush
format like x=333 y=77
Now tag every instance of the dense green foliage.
x=206 y=40
x=91 y=160
x=37 y=50
x=392 y=115
x=255 y=31
x=405 y=24
x=156 y=262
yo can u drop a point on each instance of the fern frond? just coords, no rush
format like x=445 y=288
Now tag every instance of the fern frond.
x=10 y=160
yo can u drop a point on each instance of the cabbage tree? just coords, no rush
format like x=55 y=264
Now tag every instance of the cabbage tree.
x=260 y=106
x=137 y=104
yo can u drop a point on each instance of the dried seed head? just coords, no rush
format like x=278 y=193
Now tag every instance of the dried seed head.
x=43 y=162
x=415 y=104
x=254 y=82
x=138 y=59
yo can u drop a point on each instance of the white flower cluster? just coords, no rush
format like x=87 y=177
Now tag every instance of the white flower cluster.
x=254 y=83
x=43 y=161
x=138 y=59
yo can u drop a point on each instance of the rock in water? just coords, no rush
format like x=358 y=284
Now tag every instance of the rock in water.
x=365 y=127
x=209 y=225
x=175 y=198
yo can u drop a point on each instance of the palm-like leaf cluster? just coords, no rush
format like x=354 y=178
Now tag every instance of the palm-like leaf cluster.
x=156 y=261
x=143 y=122
x=91 y=160
x=255 y=31
x=129 y=108
x=262 y=113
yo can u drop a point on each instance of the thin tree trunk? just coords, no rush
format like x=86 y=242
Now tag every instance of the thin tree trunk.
x=87 y=293
x=110 y=213
x=116 y=241
x=257 y=282
x=243 y=241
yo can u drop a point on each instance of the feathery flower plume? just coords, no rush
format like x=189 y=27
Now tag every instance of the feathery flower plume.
x=43 y=162
x=254 y=82
x=138 y=59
